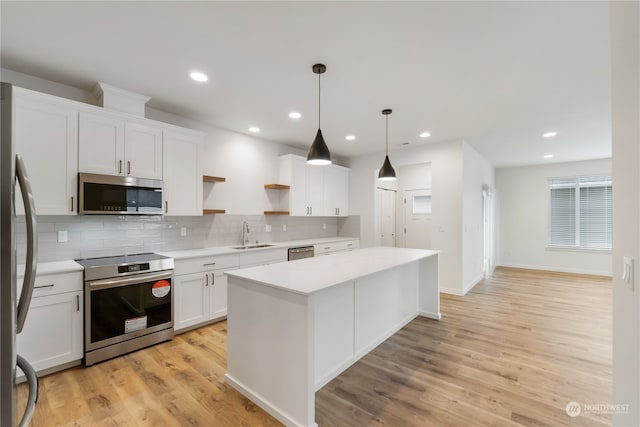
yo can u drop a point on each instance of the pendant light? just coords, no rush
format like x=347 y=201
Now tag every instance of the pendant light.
x=386 y=172
x=319 y=152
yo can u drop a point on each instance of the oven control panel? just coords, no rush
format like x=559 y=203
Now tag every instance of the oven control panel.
x=132 y=268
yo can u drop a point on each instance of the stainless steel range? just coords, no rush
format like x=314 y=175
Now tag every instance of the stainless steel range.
x=128 y=304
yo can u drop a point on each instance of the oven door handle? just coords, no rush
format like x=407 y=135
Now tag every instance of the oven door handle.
x=124 y=281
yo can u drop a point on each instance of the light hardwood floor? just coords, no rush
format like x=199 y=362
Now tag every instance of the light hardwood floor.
x=514 y=351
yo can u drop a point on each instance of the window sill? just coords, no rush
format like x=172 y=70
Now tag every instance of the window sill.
x=577 y=249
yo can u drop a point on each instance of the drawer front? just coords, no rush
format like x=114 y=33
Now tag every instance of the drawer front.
x=336 y=247
x=195 y=265
x=52 y=284
x=263 y=257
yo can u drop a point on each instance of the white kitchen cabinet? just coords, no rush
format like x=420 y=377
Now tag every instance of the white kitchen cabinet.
x=315 y=190
x=110 y=145
x=182 y=173
x=46 y=136
x=191 y=300
x=53 y=332
x=218 y=294
x=333 y=247
x=335 y=191
x=201 y=290
x=305 y=182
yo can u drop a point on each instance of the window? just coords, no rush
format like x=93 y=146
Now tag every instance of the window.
x=421 y=205
x=580 y=212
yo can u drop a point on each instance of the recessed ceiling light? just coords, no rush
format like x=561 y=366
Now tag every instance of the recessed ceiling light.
x=425 y=135
x=199 y=77
x=295 y=115
x=548 y=156
x=550 y=134
x=350 y=137
x=254 y=129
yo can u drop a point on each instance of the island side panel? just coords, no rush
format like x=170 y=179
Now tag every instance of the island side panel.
x=384 y=303
x=333 y=311
x=429 y=291
x=269 y=350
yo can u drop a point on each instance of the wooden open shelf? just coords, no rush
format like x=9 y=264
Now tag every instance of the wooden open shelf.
x=276 y=212
x=276 y=187
x=213 y=211
x=208 y=178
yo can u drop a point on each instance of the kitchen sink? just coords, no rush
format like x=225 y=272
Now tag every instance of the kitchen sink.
x=252 y=246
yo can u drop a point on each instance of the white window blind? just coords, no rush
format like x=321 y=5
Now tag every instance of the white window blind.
x=580 y=212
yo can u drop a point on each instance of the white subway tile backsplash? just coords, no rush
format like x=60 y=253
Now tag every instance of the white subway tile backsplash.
x=104 y=235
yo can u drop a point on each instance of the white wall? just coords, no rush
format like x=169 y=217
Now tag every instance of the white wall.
x=446 y=174
x=523 y=217
x=477 y=171
x=625 y=38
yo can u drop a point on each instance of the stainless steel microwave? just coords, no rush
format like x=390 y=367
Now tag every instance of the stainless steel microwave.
x=118 y=195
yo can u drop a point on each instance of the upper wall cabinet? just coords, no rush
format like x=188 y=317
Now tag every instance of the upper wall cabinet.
x=46 y=135
x=336 y=191
x=110 y=145
x=315 y=190
x=182 y=173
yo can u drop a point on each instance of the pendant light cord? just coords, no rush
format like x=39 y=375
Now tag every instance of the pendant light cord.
x=387 y=134
x=318 y=100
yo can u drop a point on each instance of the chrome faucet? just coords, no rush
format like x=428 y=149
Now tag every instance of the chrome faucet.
x=245 y=233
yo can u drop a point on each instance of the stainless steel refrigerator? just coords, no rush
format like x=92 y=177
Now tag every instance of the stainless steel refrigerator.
x=14 y=305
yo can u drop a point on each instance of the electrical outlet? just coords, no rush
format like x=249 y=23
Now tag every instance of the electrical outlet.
x=268 y=228
x=63 y=236
x=284 y=227
x=183 y=231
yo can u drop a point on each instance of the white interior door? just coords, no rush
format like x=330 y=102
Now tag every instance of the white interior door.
x=387 y=216
x=417 y=219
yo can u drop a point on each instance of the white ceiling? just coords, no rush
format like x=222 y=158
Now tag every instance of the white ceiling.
x=495 y=74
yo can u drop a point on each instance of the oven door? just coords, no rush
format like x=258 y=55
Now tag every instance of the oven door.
x=123 y=308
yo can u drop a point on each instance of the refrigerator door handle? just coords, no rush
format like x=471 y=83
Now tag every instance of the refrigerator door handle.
x=32 y=244
x=32 y=380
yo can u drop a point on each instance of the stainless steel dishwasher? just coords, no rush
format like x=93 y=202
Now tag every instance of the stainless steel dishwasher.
x=300 y=253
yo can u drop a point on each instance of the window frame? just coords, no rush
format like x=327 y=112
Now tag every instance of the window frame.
x=577 y=180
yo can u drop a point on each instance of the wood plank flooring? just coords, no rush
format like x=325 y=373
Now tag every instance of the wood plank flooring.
x=512 y=352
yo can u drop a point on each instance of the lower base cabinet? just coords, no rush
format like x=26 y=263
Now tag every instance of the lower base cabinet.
x=53 y=332
x=199 y=298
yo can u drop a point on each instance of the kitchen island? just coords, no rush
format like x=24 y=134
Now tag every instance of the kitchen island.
x=294 y=326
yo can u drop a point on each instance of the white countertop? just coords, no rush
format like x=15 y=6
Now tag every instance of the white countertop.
x=306 y=276
x=56 y=267
x=224 y=250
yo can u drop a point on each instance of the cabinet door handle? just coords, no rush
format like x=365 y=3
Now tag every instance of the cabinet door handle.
x=128 y=167
x=119 y=166
x=77 y=302
x=213 y=279
x=71 y=203
x=209 y=263
x=206 y=280
x=311 y=210
x=166 y=206
x=44 y=286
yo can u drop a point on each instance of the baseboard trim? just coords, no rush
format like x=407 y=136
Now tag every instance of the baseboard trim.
x=557 y=269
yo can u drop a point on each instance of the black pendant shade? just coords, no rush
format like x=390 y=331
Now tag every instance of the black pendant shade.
x=319 y=152
x=386 y=173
